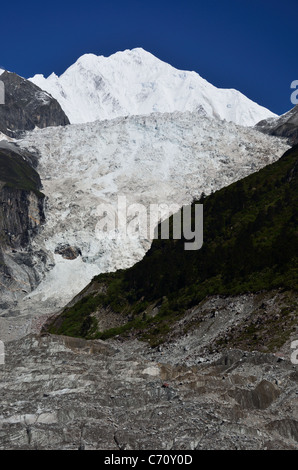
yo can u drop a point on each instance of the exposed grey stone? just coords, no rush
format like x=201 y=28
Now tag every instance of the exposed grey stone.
x=67 y=393
x=68 y=252
x=283 y=126
x=27 y=106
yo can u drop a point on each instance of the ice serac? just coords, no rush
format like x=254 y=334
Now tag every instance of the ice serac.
x=27 y=106
x=135 y=82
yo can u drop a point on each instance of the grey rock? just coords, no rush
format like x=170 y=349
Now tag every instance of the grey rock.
x=22 y=217
x=283 y=126
x=27 y=106
x=68 y=252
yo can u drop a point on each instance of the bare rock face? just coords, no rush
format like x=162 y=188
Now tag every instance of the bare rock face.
x=259 y=398
x=21 y=217
x=283 y=126
x=21 y=213
x=27 y=106
x=21 y=202
x=67 y=393
x=68 y=252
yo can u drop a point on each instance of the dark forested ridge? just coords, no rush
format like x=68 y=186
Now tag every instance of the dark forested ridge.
x=250 y=245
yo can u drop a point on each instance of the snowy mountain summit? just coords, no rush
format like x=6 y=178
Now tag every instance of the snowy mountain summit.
x=135 y=82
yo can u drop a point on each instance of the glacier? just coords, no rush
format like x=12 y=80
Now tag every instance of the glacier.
x=157 y=158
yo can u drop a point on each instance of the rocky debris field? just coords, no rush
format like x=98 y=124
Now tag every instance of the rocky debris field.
x=67 y=393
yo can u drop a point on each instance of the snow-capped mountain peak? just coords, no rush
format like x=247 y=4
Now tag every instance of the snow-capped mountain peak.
x=135 y=82
x=157 y=159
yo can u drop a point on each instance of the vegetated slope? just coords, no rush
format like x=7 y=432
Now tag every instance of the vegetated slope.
x=250 y=245
x=134 y=82
x=283 y=126
x=27 y=106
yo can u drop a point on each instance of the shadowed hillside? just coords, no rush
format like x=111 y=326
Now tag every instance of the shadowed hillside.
x=250 y=245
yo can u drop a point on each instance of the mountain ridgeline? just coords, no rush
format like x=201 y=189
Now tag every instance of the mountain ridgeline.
x=250 y=245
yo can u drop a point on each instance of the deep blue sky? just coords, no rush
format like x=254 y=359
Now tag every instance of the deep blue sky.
x=250 y=45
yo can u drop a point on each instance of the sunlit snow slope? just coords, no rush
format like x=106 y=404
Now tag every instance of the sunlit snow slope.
x=134 y=82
